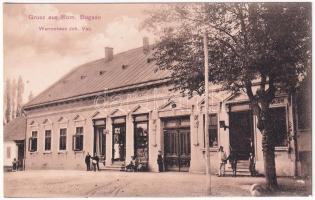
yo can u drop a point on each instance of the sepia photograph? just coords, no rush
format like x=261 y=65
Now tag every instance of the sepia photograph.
x=169 y=99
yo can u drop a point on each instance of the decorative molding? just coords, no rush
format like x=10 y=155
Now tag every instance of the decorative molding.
x=139 y=110
x=118 y=112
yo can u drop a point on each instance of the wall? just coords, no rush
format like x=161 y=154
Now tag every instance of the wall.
x=13 y=152
x=150 y=101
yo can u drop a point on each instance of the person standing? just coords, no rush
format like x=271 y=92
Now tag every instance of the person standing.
x=88 y=162
x=252 y=164
x=96 y=160
x=160 y=161
x=222 y=161
x=233 y=161
x=14 y=165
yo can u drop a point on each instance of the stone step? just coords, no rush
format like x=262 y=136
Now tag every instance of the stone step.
x=113 y=168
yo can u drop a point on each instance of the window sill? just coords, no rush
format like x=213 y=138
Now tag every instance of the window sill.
x=211 y=149
x=78 y=151
x=47 y=152
x=33 y=152
x=284 y=148
x=62 y=152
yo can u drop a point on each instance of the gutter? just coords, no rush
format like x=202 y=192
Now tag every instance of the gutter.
x=113 y=90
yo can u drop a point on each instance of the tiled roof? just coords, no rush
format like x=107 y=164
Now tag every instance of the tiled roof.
x=127 y=68
x=15 y=129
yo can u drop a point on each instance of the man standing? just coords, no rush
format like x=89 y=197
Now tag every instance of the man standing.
x=88 y=162
x=222 y=160
x=97 y=160
x=160 y=161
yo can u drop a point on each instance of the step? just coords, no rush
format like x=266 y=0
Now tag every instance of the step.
x=112 y=168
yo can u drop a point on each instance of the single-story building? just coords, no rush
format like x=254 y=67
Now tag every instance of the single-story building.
x=120 y=106
x=14 y=142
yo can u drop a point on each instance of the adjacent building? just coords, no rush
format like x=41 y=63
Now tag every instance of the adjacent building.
x=120 y=106
x=14 y=142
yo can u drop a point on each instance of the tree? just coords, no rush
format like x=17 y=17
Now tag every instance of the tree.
x=30 y=96
x=20 y=91
x=7 y=101
x=249 y=43
x=13 y=93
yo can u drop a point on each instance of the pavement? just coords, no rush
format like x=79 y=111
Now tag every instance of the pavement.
x=70 y=183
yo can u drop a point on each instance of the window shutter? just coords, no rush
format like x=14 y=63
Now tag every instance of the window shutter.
x=29 y=144
x=73 y=142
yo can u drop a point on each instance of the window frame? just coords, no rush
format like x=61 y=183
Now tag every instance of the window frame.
x=286 y=126
x=79 y=135
x=30 y=142
x=46 y=150
x=211 y=127
x=60 y=136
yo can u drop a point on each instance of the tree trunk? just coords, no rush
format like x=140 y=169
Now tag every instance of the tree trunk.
x=268 y=147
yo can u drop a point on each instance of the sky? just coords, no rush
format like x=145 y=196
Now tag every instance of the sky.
x=43 y=57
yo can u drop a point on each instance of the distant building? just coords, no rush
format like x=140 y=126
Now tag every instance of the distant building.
x=14 y=142
x=120 y=106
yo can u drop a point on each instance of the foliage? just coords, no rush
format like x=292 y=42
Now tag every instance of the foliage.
x=263 y=44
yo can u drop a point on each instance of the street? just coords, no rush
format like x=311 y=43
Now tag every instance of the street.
x=68 y=183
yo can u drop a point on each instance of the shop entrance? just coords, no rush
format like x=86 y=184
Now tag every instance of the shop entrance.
x=241 y=133
x=177 y=144
x=99 y=147
x=141 y=138
x=119 y=139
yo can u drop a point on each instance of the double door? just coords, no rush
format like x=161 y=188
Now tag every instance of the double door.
x=177 y=149
x=241 y=134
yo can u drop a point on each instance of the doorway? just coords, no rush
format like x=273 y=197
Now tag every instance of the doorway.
x=20 y=157
x=99 y=146
x=241 y=133
x=141 y=138
x=177 y=152
x=119 y=139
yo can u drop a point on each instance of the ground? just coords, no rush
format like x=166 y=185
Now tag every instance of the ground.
x=54 y=183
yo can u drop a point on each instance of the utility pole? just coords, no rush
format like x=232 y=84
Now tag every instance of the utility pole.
x=207 y=153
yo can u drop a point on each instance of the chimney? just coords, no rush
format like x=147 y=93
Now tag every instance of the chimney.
x=146 y=47
x=109 y=55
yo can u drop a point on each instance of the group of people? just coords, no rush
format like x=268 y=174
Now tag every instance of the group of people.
x=135 y=165
x=95 y=162
x=232 y=158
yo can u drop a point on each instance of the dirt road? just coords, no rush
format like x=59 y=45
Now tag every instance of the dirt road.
x=54 y=183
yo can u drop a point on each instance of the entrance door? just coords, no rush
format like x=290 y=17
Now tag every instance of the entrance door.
x=99 y=141
x=99 y=144
x=177 y=149
x=141 y=138
x=241 y=133
x=119 y=142
x=20 y=158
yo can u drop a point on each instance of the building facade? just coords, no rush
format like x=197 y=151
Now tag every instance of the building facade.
x=121 y=106
x=14 y=143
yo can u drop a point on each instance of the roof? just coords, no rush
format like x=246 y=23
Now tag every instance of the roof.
x=15 y=129
x=127 y=68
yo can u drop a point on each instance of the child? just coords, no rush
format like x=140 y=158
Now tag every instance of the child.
x=222 y=161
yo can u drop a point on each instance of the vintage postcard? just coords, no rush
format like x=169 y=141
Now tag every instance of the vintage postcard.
x=200 y=99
